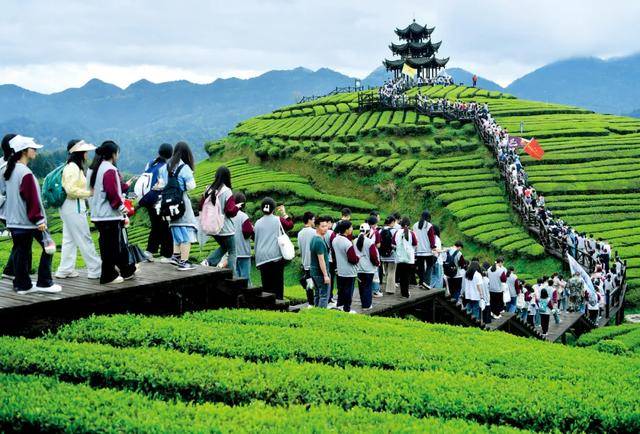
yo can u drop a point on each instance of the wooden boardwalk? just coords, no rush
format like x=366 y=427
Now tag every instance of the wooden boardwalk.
x=390 y=304
x=156 y=289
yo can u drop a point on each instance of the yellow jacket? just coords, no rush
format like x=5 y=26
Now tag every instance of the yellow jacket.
x=74 y=182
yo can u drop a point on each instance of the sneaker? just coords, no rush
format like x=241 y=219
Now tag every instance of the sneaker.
x=49 y=289
x=205 y=263
x=309 y=306
x=368 y=308
x=8 y=276
x=425 y=286
x=148 y=256
x=26 y=291
x=70 y=275
x=377 y=295
x=164 y=260
x=353 y=312
x=93 y=277
x=186 y=266
x=332 y=305
x=174 y=260
x=118 y=279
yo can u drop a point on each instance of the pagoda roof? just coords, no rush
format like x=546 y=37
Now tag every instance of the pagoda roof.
x=416 y=62
x=426 y=48
x=414 y=31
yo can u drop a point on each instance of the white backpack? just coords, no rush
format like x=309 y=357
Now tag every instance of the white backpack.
x=212 y=216
x=404 y=250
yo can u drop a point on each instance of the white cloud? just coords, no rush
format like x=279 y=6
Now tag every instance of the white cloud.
x=48 y=46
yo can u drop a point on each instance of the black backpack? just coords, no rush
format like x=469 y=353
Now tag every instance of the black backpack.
x=386 y=243
x=449 y=266
x=171 y=201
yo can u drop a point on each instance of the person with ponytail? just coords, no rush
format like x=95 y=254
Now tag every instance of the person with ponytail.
x=220 y=190
x=425 y=258
x=160 y=239
x=406 y=243
x=472 y=288
x=7 y=151
x=367 y=265
x=109 y=214
x=26 y=219
x=268 y=256
x=184 y=229
x=497 y=284
x=73 y=212
x=346 y=260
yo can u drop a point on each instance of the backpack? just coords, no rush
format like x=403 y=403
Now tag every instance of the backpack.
x=144 y=185
x=449 y=266
x=593 y=298
x=404 y=250
x=171 y=204
x=386 y=243
x=212 y=216
x=53 y=194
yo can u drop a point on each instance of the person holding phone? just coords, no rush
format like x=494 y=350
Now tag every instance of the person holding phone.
x=26 y=219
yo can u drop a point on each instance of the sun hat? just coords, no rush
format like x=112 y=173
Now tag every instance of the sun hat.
x=20 y=143
x=82 y=146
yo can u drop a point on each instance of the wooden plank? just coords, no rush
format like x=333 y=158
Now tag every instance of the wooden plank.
x=391 y=303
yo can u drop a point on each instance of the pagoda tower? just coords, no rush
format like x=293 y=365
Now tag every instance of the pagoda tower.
x=417 y=51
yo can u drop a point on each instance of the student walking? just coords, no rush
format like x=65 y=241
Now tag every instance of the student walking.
x=367 y=265
x=269 y=258
x=406 y=243
x=160 y=239
x=545 y=306
x=346 y=264
x=425 y=258
x=453 y=268
x=183 y=229
x=513 y=284
x=109 y=214
x=73 y=212
x=304 y=242
x=7 y=151
x=26 y=219
x=472 y=287
x=220 y=190
x=497 y=281
x=243 y=233
x=388 y=255
x=319 y=262
x=440 y=254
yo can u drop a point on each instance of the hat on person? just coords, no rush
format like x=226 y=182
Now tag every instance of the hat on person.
x=364 y=227
x=20 y=143
x=82 y=146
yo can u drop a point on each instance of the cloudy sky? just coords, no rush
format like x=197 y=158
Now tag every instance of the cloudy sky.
x=48 y=46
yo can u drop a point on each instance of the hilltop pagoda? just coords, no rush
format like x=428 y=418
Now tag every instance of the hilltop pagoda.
x=417 y=51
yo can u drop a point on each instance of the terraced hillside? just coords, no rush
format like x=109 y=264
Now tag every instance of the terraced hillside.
x=248 y=371
x=589 y=173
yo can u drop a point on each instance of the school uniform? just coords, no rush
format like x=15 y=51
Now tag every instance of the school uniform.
x=346 y=269
x=75 y=227
x=389 y=265
x=243 y=233
x=304 y=241
x=184 y=229
x=8 y=268
x=367 y=268
x=159 y=239
x=107 y=214
x=438 y=271
x=545 y=305
x=225 y=237
x=472 y=295
x=405 y=256
x=318 y=247
x=268 y=256
x=24 y=212
x=454 y=284
x=497 y=276
x=424 y=251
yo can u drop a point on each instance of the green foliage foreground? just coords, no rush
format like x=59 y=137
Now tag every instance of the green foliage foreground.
x=351 y=363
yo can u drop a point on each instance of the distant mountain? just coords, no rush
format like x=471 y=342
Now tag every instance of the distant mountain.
x=380 y=75
x=146 y=114
x=607 y=86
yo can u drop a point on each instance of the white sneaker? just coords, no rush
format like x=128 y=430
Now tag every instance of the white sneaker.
x=6 y=276
x=309 y=306
x=164 y=260
x=332 y=305
x=27 y=291
x=377 y=294
x=353 y=312
x=93 y=277
x=148 y=256
x=70 y=275
x=49 y=289
x=118 y=279
x=204 y=263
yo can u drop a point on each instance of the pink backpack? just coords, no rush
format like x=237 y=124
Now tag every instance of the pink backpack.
x=212 y=216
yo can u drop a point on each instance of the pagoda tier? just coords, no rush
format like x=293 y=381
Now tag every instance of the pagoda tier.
x=415 y=49
x=416 y=62
x=414 y=32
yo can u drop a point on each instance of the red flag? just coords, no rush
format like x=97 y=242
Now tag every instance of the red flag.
x=533 y=148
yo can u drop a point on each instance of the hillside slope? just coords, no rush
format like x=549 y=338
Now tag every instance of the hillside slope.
x=588 y=174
